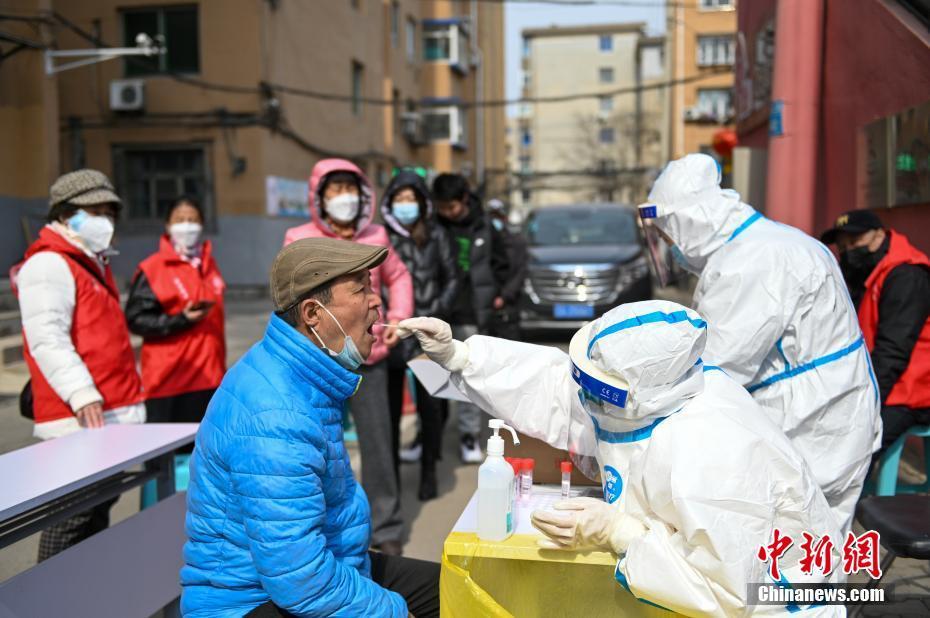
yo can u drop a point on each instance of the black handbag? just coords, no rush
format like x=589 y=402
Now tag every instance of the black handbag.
x=25 y=402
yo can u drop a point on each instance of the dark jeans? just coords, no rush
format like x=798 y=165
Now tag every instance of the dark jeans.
x=59 y=537
x=183 y=408
x=415 y=580
x=369 y=407
x=429 y=413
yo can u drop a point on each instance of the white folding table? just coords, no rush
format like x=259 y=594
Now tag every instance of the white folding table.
x=45 y=483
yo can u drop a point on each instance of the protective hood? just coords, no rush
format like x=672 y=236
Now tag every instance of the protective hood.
x=403 y=180
x=367 y=199
x=689 y=206
x=652 y=347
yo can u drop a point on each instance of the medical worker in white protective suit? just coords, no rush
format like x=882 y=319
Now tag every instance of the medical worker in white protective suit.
x=781 y=323
x=695 y=477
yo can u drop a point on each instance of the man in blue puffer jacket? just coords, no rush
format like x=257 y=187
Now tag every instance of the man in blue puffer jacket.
x=276 y=524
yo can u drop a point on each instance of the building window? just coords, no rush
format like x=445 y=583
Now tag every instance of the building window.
x=411 y=40
x=150 y=178
x=179 y=27
x=527 y=80
x=526 y=138
x=358 y=75
x=606 y=104
x=715 y=103
x=606 y=75
x=525 y=164
x=526 y=195
x=716 y=4
x=716 y=51
x=526 y=47
x=444 y=124
x=395 y=23
x=606 y=42
x=606 y=135
x=445 y=42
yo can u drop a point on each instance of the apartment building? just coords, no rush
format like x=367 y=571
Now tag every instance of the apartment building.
x=702 y=51
x=251 y=93
x=604 y=135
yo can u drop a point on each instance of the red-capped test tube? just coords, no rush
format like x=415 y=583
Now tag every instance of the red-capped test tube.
x=566 y=478
x=526 y=478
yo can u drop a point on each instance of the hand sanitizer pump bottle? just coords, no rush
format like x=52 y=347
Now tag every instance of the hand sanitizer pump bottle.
x=495 y=488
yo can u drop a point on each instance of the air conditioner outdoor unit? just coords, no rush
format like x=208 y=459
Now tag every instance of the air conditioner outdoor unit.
x=127 y=95
x=694 y=113
x=412 y=126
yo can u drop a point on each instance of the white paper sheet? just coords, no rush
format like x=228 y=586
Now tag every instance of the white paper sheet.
x=435 y=379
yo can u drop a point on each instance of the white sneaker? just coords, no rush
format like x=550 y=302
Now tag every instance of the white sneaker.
x=412 y=453
x=470 y=451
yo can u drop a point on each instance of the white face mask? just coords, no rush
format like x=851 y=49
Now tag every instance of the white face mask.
x=95 y=232
x=186 y=234
x=343 y=208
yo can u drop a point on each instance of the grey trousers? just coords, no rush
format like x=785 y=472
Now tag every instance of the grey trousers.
x=369 y=408
x=469 y=414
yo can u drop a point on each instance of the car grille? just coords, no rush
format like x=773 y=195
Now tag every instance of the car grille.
x=575 y=284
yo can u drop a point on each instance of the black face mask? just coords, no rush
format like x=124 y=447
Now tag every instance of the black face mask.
x=858 y=263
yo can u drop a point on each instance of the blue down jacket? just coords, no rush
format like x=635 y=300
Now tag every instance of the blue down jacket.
x=273 y=511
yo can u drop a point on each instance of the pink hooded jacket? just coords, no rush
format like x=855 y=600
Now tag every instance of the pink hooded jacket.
x=392 y=274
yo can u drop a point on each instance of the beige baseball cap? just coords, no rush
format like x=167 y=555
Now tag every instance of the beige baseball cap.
x=305 y=265
x=83 y=188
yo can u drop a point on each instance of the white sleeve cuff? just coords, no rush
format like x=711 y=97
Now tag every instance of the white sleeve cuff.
x=83 y=397
x=460 y=354
x=625 y=532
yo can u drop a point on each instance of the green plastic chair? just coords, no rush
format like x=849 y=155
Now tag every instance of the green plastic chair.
x=886 y=477
x=182 y=477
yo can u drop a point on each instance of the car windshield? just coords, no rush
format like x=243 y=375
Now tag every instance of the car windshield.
x=581 y=226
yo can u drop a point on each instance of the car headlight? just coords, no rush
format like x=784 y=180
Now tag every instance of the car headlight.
x=632 y=272
x=640 y=267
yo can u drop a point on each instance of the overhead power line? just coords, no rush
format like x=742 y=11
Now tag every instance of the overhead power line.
x=646 y=4
x=264 y=88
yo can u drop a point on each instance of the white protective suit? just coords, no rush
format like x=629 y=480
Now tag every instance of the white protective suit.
x=781 y=323
x=690 y=455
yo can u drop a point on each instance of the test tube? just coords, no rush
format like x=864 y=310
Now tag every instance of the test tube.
x=566 y=478
x=526 y=478
x=515 y=466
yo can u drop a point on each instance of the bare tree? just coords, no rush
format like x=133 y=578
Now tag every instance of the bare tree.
x=608 y=152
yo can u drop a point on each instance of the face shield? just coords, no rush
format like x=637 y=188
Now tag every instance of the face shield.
x=600 y=395
x=658 y=246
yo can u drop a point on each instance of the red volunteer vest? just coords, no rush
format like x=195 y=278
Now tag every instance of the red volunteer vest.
x=195 y=359
x=98 y=332
x=913 y=387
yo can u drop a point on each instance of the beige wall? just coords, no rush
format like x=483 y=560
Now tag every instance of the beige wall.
x=230 y=53
x=310 y=45
x=686 y=23
x=28 y=110
x=491 y=41
x=565 y=135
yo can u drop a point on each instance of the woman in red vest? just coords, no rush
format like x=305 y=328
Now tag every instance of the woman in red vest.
x=75 y=343
x=176 y=305
x=889 y=281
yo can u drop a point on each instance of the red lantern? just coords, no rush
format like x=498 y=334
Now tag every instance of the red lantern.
x=724 y=142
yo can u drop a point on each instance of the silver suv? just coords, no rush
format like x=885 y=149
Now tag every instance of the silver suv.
x=583 y=260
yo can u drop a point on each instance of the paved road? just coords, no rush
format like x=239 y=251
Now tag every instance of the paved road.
x=429 y=522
